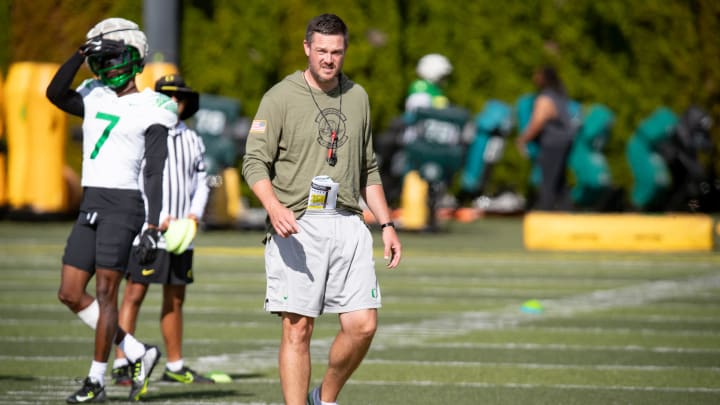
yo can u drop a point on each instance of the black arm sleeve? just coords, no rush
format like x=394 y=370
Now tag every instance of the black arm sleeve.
x=155 y=155
x=59 y=91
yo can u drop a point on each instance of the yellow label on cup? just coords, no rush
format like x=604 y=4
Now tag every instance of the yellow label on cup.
x=323 y=193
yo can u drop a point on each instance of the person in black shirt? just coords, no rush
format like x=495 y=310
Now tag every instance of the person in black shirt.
x=552 y=127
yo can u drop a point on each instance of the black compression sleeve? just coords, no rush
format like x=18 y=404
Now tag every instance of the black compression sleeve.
x=59 y=91
x=155 y=155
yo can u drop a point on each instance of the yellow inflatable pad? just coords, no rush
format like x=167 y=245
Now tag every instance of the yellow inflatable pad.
x=618 y=232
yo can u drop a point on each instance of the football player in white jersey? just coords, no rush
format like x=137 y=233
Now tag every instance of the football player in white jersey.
x=185 y=195
x=121 y=128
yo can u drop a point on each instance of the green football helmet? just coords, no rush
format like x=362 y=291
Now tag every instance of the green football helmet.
x=121 y=54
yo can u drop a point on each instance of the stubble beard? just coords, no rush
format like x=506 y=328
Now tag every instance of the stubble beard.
x=320 y=80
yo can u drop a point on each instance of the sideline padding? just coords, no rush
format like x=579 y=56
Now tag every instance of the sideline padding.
x=618 y=232
x=152 y=72
x=3 y=155
x=19 y=141
x=413 y=201
x=36 y=139
x=47 y=126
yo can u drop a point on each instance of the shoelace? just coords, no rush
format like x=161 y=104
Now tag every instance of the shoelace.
x=136 y=369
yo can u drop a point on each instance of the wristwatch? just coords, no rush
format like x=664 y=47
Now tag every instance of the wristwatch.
x=386 y=224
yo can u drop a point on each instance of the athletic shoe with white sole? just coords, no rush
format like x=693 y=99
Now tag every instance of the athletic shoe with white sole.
x=186 y=375
x=141 y=371
x=90 y=391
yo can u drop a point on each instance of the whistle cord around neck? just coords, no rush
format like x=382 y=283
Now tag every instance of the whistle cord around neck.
x=332 y=149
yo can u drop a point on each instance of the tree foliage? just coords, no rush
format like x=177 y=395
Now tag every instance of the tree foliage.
x=633 y=56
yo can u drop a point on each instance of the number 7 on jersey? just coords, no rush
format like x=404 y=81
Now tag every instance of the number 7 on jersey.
x=113 y=120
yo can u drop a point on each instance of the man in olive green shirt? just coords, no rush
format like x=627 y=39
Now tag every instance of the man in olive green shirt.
x=318 y=257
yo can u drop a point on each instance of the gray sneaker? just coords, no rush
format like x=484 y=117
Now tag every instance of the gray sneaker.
x=313 y=397
x=141 y=370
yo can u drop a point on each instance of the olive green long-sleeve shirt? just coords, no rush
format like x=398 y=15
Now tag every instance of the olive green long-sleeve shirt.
x=289 y=139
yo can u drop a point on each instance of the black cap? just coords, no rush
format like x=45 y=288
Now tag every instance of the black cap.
x=174 y=83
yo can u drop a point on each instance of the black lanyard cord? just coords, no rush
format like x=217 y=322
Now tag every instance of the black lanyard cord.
x=331 y=153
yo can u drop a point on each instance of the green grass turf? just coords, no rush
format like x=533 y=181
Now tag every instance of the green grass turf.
x=617 y=328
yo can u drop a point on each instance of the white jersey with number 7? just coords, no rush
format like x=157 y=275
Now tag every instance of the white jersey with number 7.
x=114 y=133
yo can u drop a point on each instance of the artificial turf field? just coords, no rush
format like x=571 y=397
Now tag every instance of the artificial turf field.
x=621 y=328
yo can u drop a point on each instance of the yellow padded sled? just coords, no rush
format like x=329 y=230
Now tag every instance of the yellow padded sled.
x=618 y=232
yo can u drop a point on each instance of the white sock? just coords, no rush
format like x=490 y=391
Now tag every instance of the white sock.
x=328 y=403
x=120 y=362
x=90 y=314
x=132 y=348
x=175 y=366
x=97 y=372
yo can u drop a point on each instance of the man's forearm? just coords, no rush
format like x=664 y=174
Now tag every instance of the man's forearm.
x=374 y=197
x=264 y=192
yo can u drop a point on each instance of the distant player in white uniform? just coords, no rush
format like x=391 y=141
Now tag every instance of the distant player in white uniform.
x=121 y=128
x=185 y=195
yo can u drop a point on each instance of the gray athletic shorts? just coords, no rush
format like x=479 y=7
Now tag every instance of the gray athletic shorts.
x=327 y=266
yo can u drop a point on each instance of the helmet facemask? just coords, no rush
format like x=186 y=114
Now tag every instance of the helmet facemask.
x=115 y=70
x=117 y=65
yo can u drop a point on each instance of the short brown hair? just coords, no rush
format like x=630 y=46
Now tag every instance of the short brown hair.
x=326 y=24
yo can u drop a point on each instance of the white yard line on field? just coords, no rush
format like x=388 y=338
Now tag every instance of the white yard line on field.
x=539 y=386
x=539 y=366
x=49 y=394
x=565 y=347
x=639 y=294
x=418 y=333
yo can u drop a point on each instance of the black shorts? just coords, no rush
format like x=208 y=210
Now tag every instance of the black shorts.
x=104 y=231
x=167 y=268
